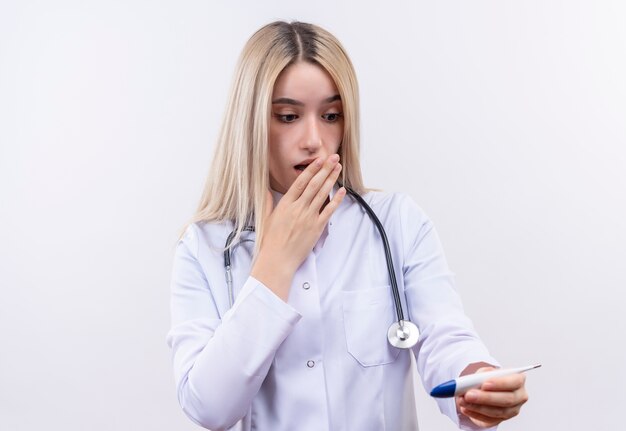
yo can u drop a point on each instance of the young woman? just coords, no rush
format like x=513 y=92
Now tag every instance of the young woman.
x=297 y=339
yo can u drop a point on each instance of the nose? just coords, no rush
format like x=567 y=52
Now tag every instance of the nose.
x=312 y=139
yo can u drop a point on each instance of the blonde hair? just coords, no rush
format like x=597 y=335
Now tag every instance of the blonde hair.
x=238 y=179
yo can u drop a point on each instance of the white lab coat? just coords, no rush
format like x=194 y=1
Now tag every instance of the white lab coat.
x=322 y=360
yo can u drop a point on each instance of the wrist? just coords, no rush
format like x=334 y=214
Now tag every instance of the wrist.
x=274 y=275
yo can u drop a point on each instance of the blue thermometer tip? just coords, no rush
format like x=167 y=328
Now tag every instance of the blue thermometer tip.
x=444 y=390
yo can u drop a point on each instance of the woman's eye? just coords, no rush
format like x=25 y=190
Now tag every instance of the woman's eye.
x=287 y=118
x=332 y=117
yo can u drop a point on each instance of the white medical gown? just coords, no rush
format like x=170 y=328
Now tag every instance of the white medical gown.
x=322 y=360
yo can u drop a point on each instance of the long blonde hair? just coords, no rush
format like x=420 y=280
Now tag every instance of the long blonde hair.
x=238 y=179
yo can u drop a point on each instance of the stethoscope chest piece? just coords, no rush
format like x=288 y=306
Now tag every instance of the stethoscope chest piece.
x=403 y=334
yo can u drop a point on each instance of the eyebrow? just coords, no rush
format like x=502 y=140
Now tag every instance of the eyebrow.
x=288 y=101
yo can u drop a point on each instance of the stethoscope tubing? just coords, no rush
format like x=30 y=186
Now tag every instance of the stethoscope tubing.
x=227 y=265
x=390 y=269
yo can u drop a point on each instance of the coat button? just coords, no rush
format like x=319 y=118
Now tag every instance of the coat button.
x=306 y=285
x=310 y=364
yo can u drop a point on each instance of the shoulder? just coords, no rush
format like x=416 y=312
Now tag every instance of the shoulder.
x=402 y=217
x=396 y=205
x=205 y=235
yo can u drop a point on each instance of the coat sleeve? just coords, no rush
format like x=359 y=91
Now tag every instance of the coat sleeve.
x=448 y=341
x=219 y=364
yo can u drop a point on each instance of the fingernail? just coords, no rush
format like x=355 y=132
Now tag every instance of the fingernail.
x=334 y=158
x=487 y=386
x=471 y=396
x=318 y=162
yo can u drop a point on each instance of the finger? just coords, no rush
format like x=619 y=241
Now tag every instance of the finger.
x=300 y=184
x=318 y=179
x=324 y=191
x=332 y=206
x=491 y=411
x=505 y=383
x=480 y=420
x=497 y=399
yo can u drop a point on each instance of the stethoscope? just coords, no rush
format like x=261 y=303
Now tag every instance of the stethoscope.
x=403 y=333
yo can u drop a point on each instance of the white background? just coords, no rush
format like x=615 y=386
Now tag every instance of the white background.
x=506 y=121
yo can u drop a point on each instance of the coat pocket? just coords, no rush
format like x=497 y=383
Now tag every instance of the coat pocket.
x=367 y=315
